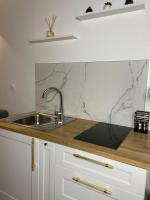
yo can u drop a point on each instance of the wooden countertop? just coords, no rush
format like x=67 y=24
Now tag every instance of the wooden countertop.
x=135 y=149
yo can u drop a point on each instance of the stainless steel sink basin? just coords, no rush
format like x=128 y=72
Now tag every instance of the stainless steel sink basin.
x=36 y=119
x=40 y=121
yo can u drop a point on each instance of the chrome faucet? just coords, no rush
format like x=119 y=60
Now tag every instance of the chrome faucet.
x=59 y=113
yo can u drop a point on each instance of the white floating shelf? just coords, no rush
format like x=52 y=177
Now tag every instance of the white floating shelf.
x=104 y=13
x=53 y=39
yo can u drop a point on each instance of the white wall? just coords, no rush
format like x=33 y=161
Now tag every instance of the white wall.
x=118 y=37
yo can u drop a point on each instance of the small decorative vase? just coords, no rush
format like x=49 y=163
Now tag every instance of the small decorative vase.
x=50 y=33
x=129 y=2
x=89 y=9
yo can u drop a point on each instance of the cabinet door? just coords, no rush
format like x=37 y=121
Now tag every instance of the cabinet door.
x=46 y=163
x=16 y=166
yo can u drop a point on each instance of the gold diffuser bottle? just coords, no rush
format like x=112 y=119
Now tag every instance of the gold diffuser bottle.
x=50 y=23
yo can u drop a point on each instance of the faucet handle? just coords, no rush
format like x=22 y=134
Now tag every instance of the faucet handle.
x=57 y=113
x=60 y=116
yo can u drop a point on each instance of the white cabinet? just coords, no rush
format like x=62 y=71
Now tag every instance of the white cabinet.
x=27 y=167
x=18 y=173
x=47 y=170
x=81 y=175
x=33 y=169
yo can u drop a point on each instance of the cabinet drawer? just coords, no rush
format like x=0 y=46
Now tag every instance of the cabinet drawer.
x=126 y=177
x=67 y=188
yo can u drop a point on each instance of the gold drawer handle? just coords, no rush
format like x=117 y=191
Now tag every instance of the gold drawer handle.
x=90 y=185
x=93 y=161
x=33 y=154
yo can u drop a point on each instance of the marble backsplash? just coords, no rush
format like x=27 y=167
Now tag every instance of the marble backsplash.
x=102 y=91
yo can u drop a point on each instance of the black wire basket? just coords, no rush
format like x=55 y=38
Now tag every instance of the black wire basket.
x=141 y=121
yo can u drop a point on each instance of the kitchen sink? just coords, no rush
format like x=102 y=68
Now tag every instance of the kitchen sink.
x=40 y=121
x=36 y=119
x=43 y=121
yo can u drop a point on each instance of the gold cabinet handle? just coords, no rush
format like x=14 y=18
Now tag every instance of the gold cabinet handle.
x=94 y=161
x=33 y=154
x=105 y=190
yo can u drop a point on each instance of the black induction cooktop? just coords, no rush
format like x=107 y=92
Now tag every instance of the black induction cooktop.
x=107 y=135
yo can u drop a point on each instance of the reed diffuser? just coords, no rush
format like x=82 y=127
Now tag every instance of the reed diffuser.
x=50 y=23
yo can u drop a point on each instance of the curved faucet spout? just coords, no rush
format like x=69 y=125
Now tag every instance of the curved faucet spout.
x=50 y=89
